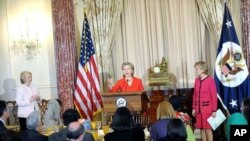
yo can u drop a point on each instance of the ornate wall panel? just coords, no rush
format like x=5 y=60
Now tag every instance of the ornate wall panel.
x=65 y=48
x=245 y=15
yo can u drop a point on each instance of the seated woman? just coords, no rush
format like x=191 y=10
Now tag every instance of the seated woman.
x=125 y=128
x=52 y=115
x=164 y=112
x=176 y=131
x=176 y=103
x=128 y=83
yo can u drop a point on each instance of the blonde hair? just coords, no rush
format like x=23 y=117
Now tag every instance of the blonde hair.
x=202 y=65
x=165 y=110
x=131 y=66
x=22 y=76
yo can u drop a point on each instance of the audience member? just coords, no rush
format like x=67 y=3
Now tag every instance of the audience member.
x=125 y=128
x=176 y=103
x=128 y=83
x=164 y=112
x=246 y=109
x=234 y=119
x=34 y=128
x=75 y=131
x=26 y=98
x=176 y=131
x=52 y=115
x=70 y=115
x=5 y=134
x=178 y=108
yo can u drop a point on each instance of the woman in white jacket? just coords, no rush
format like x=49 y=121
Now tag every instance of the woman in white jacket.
x=27 y=98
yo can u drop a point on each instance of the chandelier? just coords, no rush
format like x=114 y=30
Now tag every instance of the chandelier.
x=25 y=42
x=27 y=47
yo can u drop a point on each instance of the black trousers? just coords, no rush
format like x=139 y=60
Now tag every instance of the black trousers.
x=22 y=122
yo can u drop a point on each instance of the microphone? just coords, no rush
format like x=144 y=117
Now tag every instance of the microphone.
x=126 y=85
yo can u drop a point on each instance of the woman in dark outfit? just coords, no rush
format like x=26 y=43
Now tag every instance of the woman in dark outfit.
x=125 y=128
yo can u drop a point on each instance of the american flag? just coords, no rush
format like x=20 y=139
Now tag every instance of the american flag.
x=87 y=97
x=231 y=73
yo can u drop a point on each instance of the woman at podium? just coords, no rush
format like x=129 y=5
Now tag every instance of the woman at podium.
x=128 y=83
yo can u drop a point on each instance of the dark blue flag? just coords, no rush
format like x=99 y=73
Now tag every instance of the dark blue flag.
x=231 y=73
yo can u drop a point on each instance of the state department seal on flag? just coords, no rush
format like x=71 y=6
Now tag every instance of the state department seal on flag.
x=230 y=66
x=231 y=74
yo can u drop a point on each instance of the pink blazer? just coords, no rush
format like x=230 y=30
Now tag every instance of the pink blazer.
x=205 y=95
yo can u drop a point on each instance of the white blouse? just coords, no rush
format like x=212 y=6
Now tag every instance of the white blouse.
x=25 y=107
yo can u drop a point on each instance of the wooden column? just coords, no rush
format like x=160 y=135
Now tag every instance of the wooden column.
x=245 y=18
x=65 y=49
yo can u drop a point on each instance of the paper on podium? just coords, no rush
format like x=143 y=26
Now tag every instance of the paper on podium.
x=217 y=120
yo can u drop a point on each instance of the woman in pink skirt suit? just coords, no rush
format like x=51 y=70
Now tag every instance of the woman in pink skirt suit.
x=204 y=100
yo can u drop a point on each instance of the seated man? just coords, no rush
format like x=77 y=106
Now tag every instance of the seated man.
x=75 y=131
x=70 y=115
x=52 y=114
x=34 y=128
x=5 y=134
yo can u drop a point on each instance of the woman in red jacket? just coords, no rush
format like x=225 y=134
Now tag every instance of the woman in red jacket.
x=204 y=100
x=128 y=83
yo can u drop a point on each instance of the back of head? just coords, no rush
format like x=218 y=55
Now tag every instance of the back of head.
x=176 y=102
x=3 y=107
x=74 y=131
x=70 y=115
x=122 y=120
x=246 y=109
x=176 y=130
x=234 y=119
x=33 y=120
x=54 y=102
x=165 y=110
x=59 y=102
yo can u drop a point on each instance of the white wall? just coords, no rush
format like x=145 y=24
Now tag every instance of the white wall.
x=31 y=19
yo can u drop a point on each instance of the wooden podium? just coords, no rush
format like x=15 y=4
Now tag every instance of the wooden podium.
x=136 y=102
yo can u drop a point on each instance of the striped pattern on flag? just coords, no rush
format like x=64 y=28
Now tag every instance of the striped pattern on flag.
x=87 y=97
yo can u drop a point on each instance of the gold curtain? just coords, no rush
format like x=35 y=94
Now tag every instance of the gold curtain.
x=104 y=15
x=152 y=29
x=212 y=14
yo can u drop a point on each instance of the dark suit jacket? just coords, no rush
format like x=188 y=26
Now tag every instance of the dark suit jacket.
x=32 y=135
x=62 y=136
x=2 y=125
x=59 y=136
x=7 y=135
x=136 y=134
x=88 y=137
